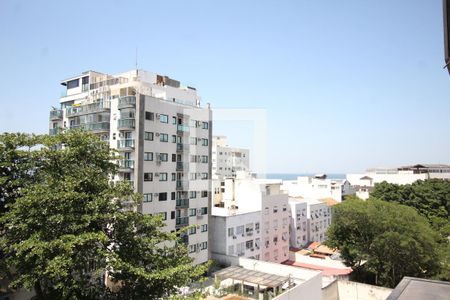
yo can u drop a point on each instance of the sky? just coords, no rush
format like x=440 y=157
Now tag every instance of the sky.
x=346 y=85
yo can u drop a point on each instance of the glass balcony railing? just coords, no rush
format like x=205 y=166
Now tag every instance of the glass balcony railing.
x=182 y=147
x=182 y=203
x=123 y=124
x=182 y=185
x=54 y=131
x=56 y=114
x=88 y=108
x=124 y=144
x=98 y=127
x=182 y=221
x=127 y=101
x=182 y=128
x=126 y=164
x=181 y=166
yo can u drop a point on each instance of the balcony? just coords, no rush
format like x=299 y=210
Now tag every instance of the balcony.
x=56 y=114
x=182 y=221
x=95 y=107
x=127 y=102
x=95 y=127
x=125 y=124
x=182 y=203
x=181 y=166
x=182 y=147
x=127 y=144
x=182 y=128
x=126 y=165
x=182 y=185
x=54 y=131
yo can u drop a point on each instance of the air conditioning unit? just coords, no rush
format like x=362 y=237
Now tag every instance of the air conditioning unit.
x=156 y=195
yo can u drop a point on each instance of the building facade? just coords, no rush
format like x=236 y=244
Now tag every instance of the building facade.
x=226 y=160
x=163 y=137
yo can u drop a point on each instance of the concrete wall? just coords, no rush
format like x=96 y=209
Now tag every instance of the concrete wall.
x=349 y=290
x=310 y=290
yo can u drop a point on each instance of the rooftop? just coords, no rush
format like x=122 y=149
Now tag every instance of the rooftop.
x=250 y=276
x=411 y=288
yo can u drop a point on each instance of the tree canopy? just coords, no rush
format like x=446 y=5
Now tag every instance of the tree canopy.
x=66 y=231
x=388 y=240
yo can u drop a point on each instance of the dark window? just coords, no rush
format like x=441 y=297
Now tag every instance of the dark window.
x=173 y=195
x=73 y=83
x=172 y=214
x=148 y=176
x=149 y=116
x=162 y=196
x=174 y=157
x=204 y=193
x=148 y=136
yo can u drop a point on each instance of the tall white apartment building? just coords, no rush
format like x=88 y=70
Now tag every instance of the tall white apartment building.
x=318 y=187
x=242 y=195
x=163 y=136
x=226 y=160
x=319 y=215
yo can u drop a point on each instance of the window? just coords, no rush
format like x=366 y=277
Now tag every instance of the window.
x=174 y=176
x=148 y=136
x=204 y=176
x=149 y=116
x=204 y=210
x=163 y=137
x=148 y=156
x=148 y=176
x=164 y=118
x=192 y=194
x=174 y=157
x=204 y=142
x=193 y=140
x=73 y=83
x=164 y=215
x=172 y=195
x=275 y=239
x=231 y=231
x=204 y=159
x=275 y=209
x=257 y=226
x=148 y=197
x=204 y=245
x=174 y=138
x=192 y=176
x=163 y=156
x=240 y=229
x=162 y=176
x=204 y=194
x=174 y=120
x=192 y=212
x=192 y=230
x=193 y=248
x=205 y=125
x=249 y=244
x=162 y=196
x=172 y=214
x=204 y=228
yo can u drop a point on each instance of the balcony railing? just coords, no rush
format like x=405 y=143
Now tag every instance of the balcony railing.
x=54 y=131
x=126 y=164
x=96 y=127
x=181 y=166
x=182 y=221
x=182 y=185
x=182 y=147
x=125 y=144
x=182 y=128
x=127 y=101
x=56 y=114
x=88 y=108
x=182 y=203
x=124 y=124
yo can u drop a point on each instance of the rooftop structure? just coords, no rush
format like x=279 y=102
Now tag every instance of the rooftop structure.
x=411 y=288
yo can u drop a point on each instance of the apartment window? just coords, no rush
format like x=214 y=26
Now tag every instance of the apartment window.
x=193 y=248
x=174 y=157
x=257 y=226
x=148 y=197
x=240 y=229
x=172 y=214
x=172 y=195
x=162 y=176
x=174 y=120
x=164 y=118
x=205 y=125
x=193 y=140
x=192 y=194
x=174 y=176
x=249 y=244
x=275 y=209
x=148 y=156
x=284 y=208
x=204 y=194
x=148 y=176
x=163 y=156
x=204 y=228
x=204 y=176
x=174 y=138
x=73 y=83
x=204 y=210
x=192 y=212
x=163 y=215
x=204 y=159
x=275 y=239
x=149 y=116
x=204 y=245
x=230 y=231
x=148 y=136
x=204 y=142
x=162 y=197
x=163 y=137
x=192 y=230
x=192 y=176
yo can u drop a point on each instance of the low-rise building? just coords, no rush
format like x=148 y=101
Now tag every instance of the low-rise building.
x=226 y=160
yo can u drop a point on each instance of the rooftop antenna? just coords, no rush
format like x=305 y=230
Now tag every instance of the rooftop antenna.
x=136 y=61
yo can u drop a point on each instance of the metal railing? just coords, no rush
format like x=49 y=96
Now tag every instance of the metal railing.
x=126 y=164
x=127 y=101
x=88 y=108
x=125 y=124
x=54 y=131
x=181 y=221
x=56 y=114
x=181 y=166
x=127 y=143
x=182 y=203
x=182 y=128
x=182 y=184
x=101 y=126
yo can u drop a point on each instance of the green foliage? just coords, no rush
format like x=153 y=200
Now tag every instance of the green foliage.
x=65 y=226
x=386 y=239
x=431 y=198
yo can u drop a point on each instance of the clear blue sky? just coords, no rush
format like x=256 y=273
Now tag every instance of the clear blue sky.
x=346 y=84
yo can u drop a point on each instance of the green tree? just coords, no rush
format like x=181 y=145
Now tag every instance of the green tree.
x=69 y=228
x=386 y=239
